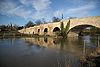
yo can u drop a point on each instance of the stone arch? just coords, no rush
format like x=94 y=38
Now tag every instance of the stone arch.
x=81 y=27
x=45 y=30
x=56 y=29
x=38 y=31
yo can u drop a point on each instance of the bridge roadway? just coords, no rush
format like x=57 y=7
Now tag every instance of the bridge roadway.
x=51 y=28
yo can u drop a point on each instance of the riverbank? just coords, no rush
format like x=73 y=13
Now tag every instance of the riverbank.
x=11 y=34
x=15 y=34
x=92 y=59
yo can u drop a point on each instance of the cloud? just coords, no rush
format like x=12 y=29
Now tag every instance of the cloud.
x=22 y=12
x=11 y=9
x=25 y=2
x=37 y=9
x=41 y=4
x=5 y=7
x=25 y=8
x=80 y=11
x=38 y=5
x=59 y=13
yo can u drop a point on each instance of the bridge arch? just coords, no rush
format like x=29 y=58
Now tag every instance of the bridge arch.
x=56 y=29
x=45 y=30
x=38 y=30
x=80 y=28
x=89 y=25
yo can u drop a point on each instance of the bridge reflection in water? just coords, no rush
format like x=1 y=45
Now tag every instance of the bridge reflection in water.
x=49 y=52
x=73 y=47
x=64 y=44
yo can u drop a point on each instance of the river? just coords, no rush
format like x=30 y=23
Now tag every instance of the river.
x=46 y=52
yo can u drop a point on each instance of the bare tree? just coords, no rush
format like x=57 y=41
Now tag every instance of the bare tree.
x=38 y=22
x=55 y=19
x=29 y=24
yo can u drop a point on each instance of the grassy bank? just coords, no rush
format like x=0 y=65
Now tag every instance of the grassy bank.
x=9 y=34
x=13 y=34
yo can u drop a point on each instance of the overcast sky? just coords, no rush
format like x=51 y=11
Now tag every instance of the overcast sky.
x=21 y=11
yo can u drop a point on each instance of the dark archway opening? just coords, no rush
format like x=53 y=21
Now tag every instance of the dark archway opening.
x=85 y=30
x=33 y=32
x=38 y=30
x=56 y=29
x=45 y=30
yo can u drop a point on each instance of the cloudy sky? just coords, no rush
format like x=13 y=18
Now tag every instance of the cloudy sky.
x=21 y=11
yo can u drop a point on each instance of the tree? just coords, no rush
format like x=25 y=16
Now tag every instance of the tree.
x=43 y=21
x=64 y=31
x=72 y=17
x=15 y=27
x=55 y=19
x=3 y=27
x=29 y=24
x=38 y=22
x=20 y=27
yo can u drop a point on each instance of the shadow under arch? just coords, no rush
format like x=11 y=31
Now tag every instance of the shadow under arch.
x=45 y=30
x=56 y=29
x=80 y=28
x=33 y=32
x=38 y=30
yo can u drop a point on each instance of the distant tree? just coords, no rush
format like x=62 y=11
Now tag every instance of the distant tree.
x=9 y=27
x=38 y=22
x=55 y=19
x=15 y=27
x=20 y=27
x=72 y=17
x=3 y=27
x=29 y=24
x=43 y=20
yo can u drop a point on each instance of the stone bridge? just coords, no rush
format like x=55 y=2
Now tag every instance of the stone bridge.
x=51 y=28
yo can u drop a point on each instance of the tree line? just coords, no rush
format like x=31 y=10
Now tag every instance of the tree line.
x=38 y=22
x=11 y=27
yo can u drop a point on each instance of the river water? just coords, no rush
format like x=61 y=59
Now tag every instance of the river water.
x=46 y=52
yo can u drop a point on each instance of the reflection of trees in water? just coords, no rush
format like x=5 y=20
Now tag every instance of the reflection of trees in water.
x=75 y=44
x=63 y=40
x=66 y=44
x=70 y=49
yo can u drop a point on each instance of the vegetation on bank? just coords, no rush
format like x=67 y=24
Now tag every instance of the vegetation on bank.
x=92 y=59
x=64 y=30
